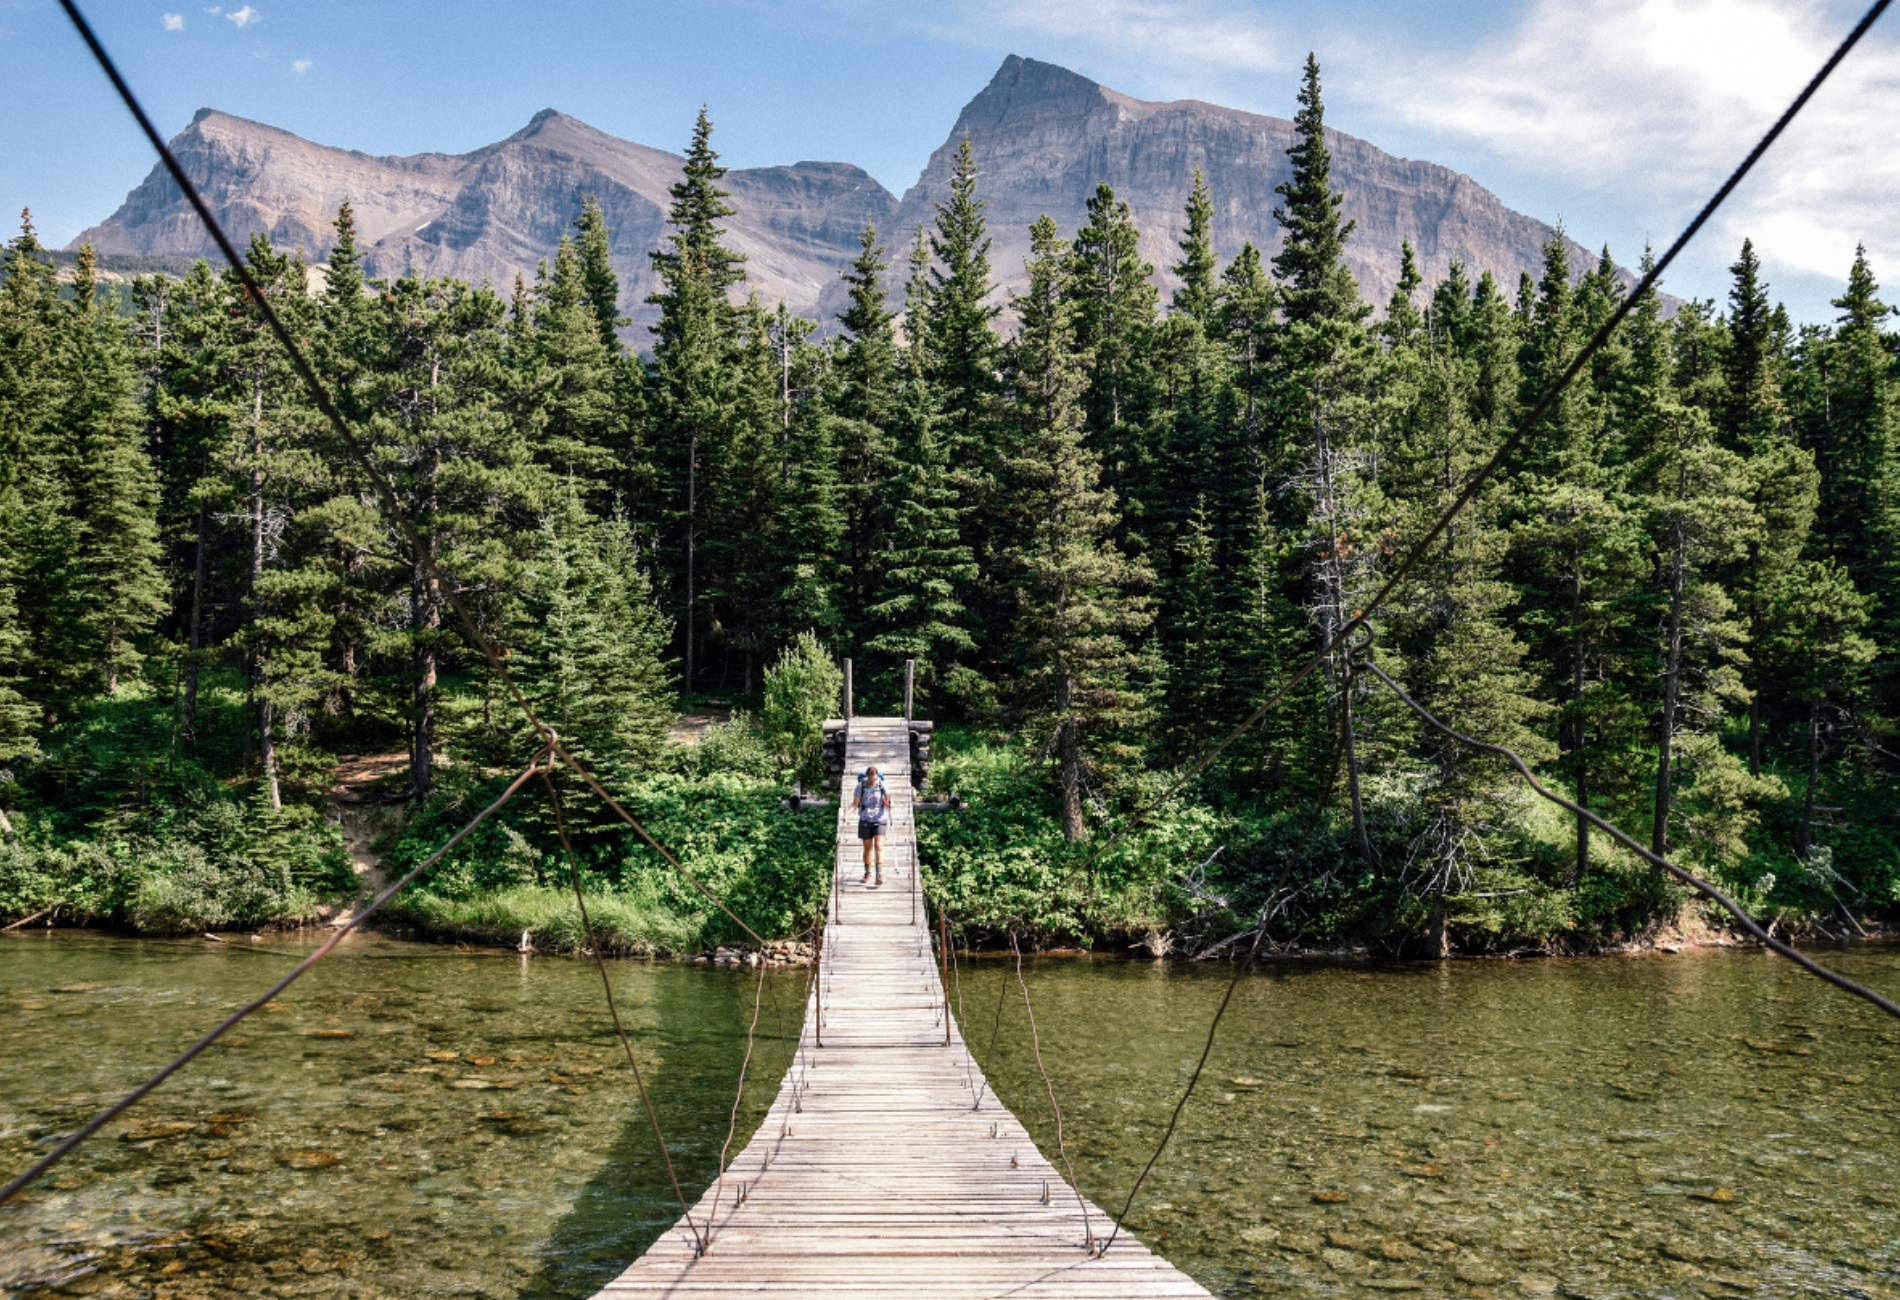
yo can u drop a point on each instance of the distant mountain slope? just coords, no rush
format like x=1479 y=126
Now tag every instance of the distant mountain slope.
x=1044 y=137
x=493 y=212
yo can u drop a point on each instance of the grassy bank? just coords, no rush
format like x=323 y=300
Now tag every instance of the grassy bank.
x=206 y=855
x=1200 y=869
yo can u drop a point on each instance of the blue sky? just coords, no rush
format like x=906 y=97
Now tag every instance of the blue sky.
x=1617 y=116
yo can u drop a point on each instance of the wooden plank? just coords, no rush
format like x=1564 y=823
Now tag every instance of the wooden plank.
x=883 y=1167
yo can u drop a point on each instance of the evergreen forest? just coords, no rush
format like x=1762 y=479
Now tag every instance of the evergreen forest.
x=1103 y=526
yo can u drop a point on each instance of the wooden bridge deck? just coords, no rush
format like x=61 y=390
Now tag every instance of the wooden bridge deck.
x=872 y=1175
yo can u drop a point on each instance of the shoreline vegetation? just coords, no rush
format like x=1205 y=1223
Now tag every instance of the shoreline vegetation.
x=233 y=690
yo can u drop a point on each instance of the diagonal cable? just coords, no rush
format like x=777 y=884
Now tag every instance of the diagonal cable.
x=593 y=946
x=1233 y=985
x=385 y=494
x=1510 y=445
x=137 y=1094
x=1687 y=877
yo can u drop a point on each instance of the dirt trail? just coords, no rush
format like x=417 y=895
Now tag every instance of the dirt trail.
x=365 y=820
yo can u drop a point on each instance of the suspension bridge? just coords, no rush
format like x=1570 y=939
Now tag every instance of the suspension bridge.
x=885 y=1166
x=881 y=1168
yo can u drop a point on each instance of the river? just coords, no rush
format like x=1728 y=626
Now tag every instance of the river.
x=421 y=1121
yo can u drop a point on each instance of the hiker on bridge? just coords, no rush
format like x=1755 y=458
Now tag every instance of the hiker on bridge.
x=873 y=803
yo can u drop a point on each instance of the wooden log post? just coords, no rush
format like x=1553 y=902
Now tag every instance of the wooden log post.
x=848 y=714
x=910 y=681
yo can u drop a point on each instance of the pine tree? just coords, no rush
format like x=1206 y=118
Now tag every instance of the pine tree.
x=1199 y=296
x=565 y=377
x=1312 y=259
x=924 y=562
x=117 y=591
x=1695 y=494
x=462 y=471
x=1817 y=643
x=865 y=414
x=593 y=641
x=600 y=286
x=1752 y=420
x=1450 y=630
x=1853 y=428
x=1197 y=640
x=1248 y=324
x=693 y=389
x=1076 y=596
x=1114 y=323
x=962 y=340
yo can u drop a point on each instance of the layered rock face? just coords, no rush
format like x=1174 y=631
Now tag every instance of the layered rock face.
x=1043 y=137
x=496 y=212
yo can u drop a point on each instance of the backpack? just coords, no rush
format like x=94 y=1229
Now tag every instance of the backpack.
x=884 y=798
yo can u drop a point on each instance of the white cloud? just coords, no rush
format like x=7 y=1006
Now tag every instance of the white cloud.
x=214 y=10
x=174 y=22
x=300 y=67
x=1653 y=102
x=243 y=17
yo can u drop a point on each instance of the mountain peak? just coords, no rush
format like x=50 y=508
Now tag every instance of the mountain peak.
x=1030 y=88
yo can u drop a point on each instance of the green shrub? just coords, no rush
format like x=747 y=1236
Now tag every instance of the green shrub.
x=801 y=691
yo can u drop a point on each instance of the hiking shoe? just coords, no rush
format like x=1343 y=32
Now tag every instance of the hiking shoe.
x=866 y=879
x=880 y=881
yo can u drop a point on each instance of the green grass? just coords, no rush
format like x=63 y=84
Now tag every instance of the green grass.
x=638 y=924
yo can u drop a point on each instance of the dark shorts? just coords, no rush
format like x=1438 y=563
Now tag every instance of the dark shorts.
x=870 y=830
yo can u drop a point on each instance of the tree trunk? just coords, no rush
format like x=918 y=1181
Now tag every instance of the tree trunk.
x=266 y=737
x=426 y=617
x=1359 y=836
x=1579 y=732
x=188 y=712
x=1672 y=680
x=1069 y=761
x=425 y=621
x=1755 y=632
x=1335 y=579
x=1805 y=841
x=692 y=503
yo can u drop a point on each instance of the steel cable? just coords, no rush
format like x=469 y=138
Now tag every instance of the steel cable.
x=1511 y=444
x=593 y=946
x=325 y=404
x=1240 y=972
x=1687 y=877
x=1062 y=1144
x=732 y=1124
x=137 y=1094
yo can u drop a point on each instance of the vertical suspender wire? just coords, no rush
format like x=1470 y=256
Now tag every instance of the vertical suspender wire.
x=732 y=1124
x=943 y=973
x=996 y=1031
x=1240 y=973
x=1062 y=1143
x=956 y=977
x=639 y=1079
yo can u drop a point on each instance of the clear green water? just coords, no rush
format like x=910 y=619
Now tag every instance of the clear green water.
x=1706 y=1124
x=1713 y=1123
x=308 y=1164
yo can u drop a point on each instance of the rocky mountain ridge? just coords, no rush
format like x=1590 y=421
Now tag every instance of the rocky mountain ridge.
x=1043 y=136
